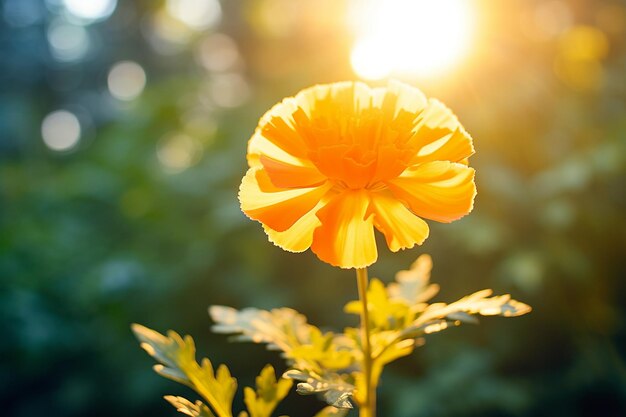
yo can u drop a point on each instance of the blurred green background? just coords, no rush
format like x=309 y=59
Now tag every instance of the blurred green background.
x=123 y=129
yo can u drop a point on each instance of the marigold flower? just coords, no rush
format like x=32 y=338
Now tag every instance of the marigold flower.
x=338 y=160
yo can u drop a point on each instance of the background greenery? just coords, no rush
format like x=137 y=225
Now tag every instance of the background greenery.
x=131 y=225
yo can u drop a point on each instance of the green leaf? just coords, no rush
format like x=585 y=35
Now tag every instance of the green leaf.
x=166 y=350
x=185 y=406
x=412 y=287
x=322 y=352
x=332 y=387
x=269 y=392
x=329 y=364
x=396 y=306
x=281 y=328
x=177 y=357
x=480 y=303
x=384 y=313
x=303 y=345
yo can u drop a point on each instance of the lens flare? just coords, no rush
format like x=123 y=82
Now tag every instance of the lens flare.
x=417 y=37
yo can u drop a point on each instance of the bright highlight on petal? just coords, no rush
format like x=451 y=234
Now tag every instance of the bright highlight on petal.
x=298 y=237
x=277 y=208
x=441 y=191
x=336 y=161
x=416 y=37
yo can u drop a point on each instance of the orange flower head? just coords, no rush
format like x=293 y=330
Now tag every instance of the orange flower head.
x=338 y=160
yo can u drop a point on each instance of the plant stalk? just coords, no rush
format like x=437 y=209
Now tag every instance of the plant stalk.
x=368 y=408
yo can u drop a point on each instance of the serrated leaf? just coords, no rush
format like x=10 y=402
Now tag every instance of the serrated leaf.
x=303 y=345
x=268 y=394
x=332 y=387
x=323 y=350
x=281 y=329
x=400 y=313
x=463 y=317
x=480 y=303
x=165 y=350
x=385 y=314
x=177 y=357
x=412 y=286
x=183 y=405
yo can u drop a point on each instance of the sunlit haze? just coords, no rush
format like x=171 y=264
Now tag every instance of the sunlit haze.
x=415 y=37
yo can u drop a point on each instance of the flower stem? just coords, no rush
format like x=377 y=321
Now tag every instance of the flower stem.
x=368 y=408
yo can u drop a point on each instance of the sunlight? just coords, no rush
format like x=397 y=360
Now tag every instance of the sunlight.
x=416 y=37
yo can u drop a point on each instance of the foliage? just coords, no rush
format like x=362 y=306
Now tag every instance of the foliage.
x=326 y=364
x=176 y=360
x=176 y=357
x=330 y=364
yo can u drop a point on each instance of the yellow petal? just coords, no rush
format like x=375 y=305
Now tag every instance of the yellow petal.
x=439 y=136
x=345 y=237
x=277 y=126
x=298 y=237
x=285 y=175
x=402 y=229
x=260 y=145
x=403 y=97
x=440 y=190
x=277 y=208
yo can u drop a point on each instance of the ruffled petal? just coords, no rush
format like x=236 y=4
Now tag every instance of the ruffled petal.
x=260 y=145
x=345 y=237
x=277 y=126
x=276 y=207
x=400 y=97
x=402 y=228
x=285 y=175
x=440 y=190
x=439 y=136
x=298 y=237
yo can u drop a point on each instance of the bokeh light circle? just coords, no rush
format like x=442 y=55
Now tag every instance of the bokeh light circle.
x=68 y=42
x=90 y=10
x=60 y=130
x=126 y=80
x=197 y=14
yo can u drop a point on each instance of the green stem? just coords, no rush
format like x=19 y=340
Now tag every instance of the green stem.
x=368 y=408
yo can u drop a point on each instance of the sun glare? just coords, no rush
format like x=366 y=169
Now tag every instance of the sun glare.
x=415 y=37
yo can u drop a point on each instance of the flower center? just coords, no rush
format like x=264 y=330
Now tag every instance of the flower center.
x=359 y=154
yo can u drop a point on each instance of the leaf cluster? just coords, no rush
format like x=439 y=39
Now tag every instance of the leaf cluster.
x=329 y=364
x=176 y=357
x=323 y=363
